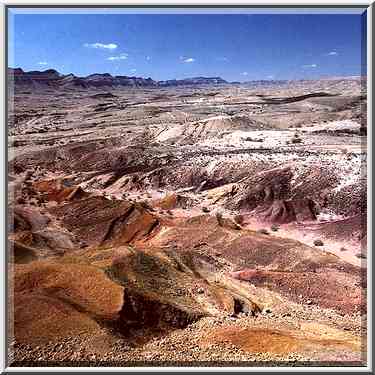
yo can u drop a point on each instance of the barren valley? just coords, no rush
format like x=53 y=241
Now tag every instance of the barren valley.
x=186 y=223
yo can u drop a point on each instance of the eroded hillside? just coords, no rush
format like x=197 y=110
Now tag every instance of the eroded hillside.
x=201 y=224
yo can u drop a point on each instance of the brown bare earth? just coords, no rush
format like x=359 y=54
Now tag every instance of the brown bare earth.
x=196 y=225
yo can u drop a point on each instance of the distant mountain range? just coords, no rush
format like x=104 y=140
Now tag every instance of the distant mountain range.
x=53 y=79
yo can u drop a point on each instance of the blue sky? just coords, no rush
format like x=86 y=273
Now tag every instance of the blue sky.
x=236 y=47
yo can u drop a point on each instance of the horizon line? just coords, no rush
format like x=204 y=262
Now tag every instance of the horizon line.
x=198 y=76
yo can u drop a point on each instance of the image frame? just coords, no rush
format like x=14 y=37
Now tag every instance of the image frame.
x=6 y=6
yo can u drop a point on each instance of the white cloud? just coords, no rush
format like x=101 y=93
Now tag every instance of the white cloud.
x=310 y=66
x=332 y=53
x=270 y=77
x=123 y=56
x=148 y=58
x=133 y=70
x=187 y=60
x=42 y=63
x=244 y=73
x=110 y=46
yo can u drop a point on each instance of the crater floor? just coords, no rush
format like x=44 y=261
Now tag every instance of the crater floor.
x=207 y=225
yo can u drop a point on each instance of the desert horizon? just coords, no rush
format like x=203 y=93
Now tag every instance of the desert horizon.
x=215 y=219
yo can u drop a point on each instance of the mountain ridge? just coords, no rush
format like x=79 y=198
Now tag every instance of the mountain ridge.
x=52 y=78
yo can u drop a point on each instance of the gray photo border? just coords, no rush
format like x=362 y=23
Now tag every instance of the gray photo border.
x=309 y=367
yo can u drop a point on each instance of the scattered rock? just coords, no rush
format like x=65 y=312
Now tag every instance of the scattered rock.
x=318 y=243
x=361 y=255
x=263 y=231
